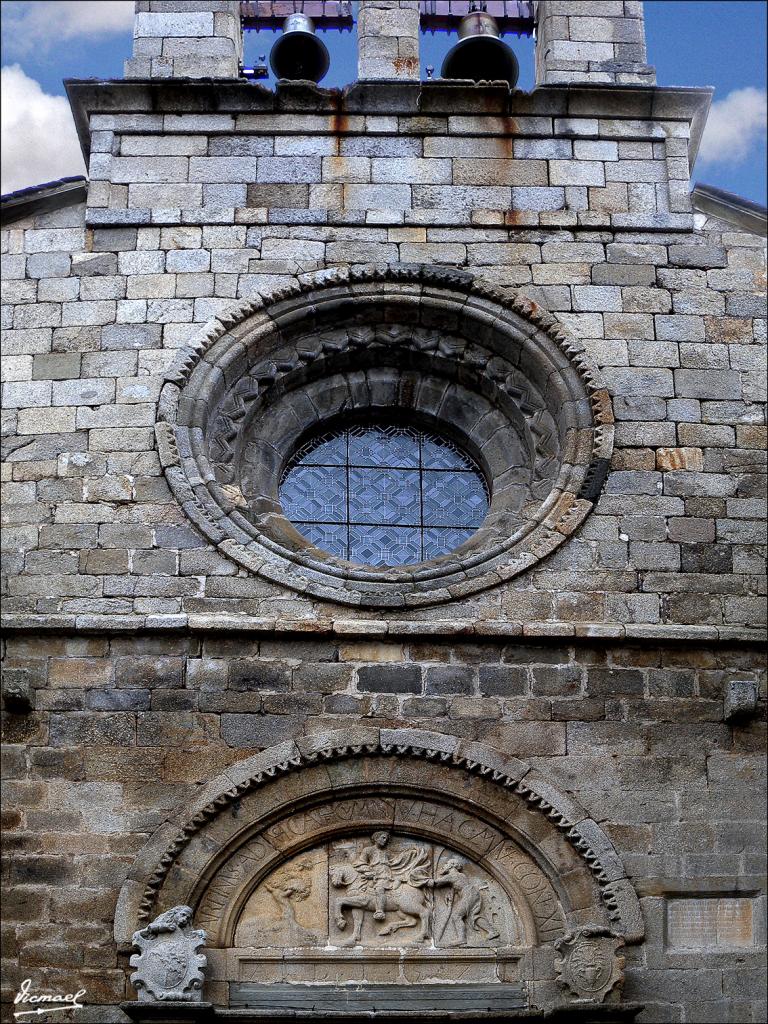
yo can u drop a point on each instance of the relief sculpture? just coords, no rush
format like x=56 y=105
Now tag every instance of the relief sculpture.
x=380 y=890
x=590 y=964
x=470 y=905
x=376 y=883
x=169 y=965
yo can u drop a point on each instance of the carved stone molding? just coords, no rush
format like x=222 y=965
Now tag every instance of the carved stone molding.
x=224 y=810
x=245 y=384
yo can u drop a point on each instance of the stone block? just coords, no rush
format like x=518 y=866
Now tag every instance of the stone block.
x=609 y=682
x=26 y=394
x=591 y=297
x=113 y=240
x=494 y=172
x=576 y=172
x=741 y=697
x=249 y=731
x=441 y=197
x=679 y=458
x=721 y=384
x=53 y=264
x=447 y=679
x=187 y=261
x=187 y=24
x=707 y=558
x=537 y=198
x=641 y=382
x=256 y=675
x=389 y=679
x=91 y=729
x=572 y=252
x=411 y=170
x=502 y=680
x=705 y=256
x=53 y=240
x=56 y=366
x=46 y=421
x=94 y=391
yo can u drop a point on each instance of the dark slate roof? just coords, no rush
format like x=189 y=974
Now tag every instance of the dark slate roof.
x=728 y=207
x=51 y=195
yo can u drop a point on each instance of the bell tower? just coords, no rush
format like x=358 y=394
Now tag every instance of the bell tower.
x=388 y=40
x=186 y=39
x=599 y=41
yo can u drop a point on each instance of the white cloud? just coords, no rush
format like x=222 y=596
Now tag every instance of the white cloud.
x=39 y=141
x=734 y=125
x=36 y=25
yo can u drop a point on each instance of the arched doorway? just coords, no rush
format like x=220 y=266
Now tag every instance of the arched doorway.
x=354 y=871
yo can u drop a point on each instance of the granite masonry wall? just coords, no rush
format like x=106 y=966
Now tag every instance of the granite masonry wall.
x=141 y=661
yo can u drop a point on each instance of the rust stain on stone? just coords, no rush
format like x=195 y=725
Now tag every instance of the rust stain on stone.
x=339 y=117
x=679 y=458
x=507 y=137
x=403 y=64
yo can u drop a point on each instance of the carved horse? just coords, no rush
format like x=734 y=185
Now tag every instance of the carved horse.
x=413 y=906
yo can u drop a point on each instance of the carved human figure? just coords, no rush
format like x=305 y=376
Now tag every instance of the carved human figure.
x=465 y=899
x=375 y=882
x=374 y=865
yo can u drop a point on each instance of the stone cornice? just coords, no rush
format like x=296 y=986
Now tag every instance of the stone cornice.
x=392 y=628
x=432 y=98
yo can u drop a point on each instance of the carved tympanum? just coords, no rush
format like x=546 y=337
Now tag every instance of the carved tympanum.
x=376 y=891
x=168 y=964
x=589 y=963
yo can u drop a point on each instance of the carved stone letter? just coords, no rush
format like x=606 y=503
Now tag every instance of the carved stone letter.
x=168 y=964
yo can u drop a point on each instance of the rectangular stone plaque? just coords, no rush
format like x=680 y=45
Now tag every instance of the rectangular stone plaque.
x=710 y=922
x=389 y=998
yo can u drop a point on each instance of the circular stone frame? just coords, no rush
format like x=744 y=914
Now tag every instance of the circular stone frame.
x=443 y=346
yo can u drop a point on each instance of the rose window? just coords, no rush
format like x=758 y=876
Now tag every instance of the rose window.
x=384 y=494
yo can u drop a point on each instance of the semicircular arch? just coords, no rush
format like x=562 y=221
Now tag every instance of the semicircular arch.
x=490 y=806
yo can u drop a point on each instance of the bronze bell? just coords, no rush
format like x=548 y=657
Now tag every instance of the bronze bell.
x=298 y=53
x=480 y=54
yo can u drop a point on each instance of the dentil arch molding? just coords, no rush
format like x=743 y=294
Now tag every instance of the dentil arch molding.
x=489 y=806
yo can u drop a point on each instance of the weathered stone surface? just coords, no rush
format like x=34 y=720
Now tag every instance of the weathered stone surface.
x=168 y=964
x=152 y=658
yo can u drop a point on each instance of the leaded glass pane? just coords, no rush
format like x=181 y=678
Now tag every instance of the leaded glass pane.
x=384 y=545
x=442 y=455
x=333 y=539
x=453 y=499
x=439 y=541
x=329 y=452
x=315 y=494
x=383 y=446
x=383 y=494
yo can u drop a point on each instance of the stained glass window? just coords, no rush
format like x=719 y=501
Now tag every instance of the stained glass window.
x=384 y=495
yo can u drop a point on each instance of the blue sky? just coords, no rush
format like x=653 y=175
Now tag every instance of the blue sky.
x=722 y=44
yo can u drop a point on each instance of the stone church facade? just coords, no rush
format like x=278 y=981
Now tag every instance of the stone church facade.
x=500 y=762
